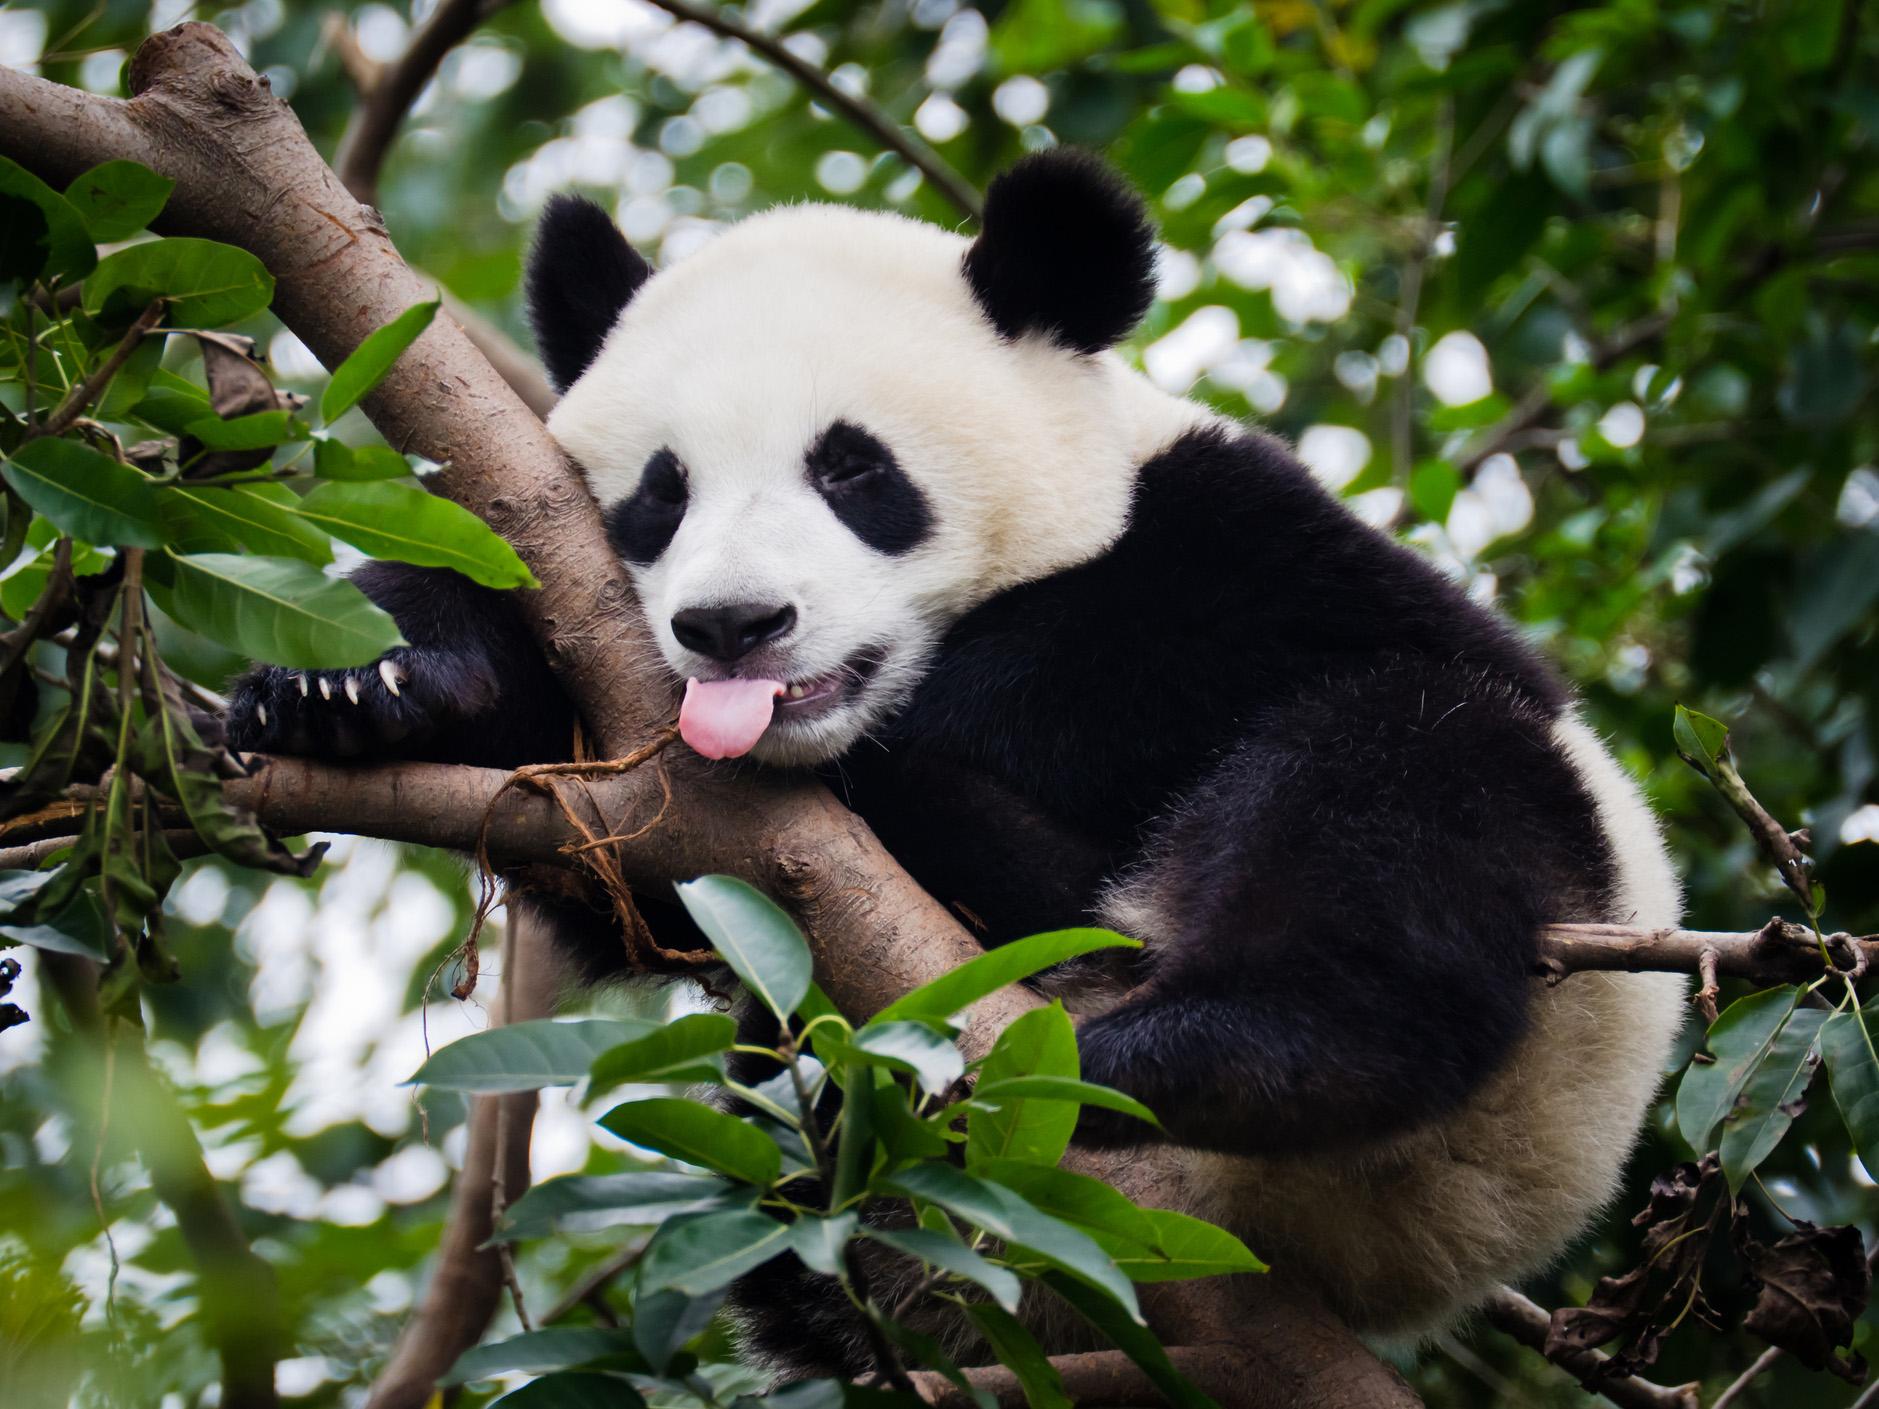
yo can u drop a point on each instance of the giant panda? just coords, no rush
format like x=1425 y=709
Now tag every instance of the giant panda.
x=1084 y=652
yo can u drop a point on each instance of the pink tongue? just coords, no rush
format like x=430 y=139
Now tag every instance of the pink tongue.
x=725 y=718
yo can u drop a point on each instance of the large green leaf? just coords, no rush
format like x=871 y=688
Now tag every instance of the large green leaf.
x=685 y=1050
x=699 y=1254
x=1060 y=1088
x=998 y=968
x=663 y=1321
x=59 y=246
x=1739 y=1040
x=118 y=198
x=372 y=359
x=257 y=517
x=933 y=1058
x=258 y=430
x=1018 y=1351
x=696 y=1134
x=525 y=1056
x=88 y=495
x=1132 y=1338
x=1020 y=1224
x=1041 y=1043
x=386 y=519
x=1098 y=1208
x=207 y=284
x=539 y=1352
x=1850 y=1043
x=820 y=1242
x=760 y=943
x=278 y=610
x=1766 y=1106
x=581 y=1203
x=950 y=1255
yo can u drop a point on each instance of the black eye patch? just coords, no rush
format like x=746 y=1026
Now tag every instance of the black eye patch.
x=641 y=525
x=859 y=479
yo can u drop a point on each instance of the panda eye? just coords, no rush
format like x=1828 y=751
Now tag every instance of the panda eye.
x=845 y=457
x=663 y=481
x=847 y=471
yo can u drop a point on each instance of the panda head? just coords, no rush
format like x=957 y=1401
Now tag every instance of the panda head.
x=823 y=437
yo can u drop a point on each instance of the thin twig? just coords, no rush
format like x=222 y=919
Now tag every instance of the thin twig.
x=1507 y=1310
x=588 y=1290
x=858 y=111
x=81 y=396
x=1763 y=1362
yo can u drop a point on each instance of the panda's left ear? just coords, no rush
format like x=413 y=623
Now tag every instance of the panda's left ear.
x=1067 y=249
x=581 y=274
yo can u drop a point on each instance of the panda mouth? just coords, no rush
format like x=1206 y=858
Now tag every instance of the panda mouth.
x=725 y=718
x=799 y=698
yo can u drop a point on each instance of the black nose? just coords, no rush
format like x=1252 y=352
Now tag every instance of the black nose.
x=733 y=632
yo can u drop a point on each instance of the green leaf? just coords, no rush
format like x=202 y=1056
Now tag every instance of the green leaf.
x=582 y=1203
x=685 y=1130
x=1432 y=488
x=524 y=1056
x=1182 y=1247
x=819 y=1241
x=258 y=517
x=410 y=525
x=334 y=459
x=80 y=928
x=372 y=359
x=539 y=1352
x=1061 y=1088
x=118 y=198
x=1025 y=1228
x=59 y=246
x=754 y=936
x=1098 y=1208
x=1041 y=1043
x=1739 y=1040
x=1847 y=1041
x=1769 y=1099
x=676 y=1052
x=87 y=495
x=208 y=284
x=574 y=1389
x=906 y=1046
x=1018 y=1351
x=948 y=1254
x=1700 y=740
x=277 y=610
x=664 y=1321
x=696 y=1255
x=1133 y=1339
x=999 y=968
x=259 y=430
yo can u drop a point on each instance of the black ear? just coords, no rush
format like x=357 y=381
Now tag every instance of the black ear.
x=581 y=273
x=1067 y=250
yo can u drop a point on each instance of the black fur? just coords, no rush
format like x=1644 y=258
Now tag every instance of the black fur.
x=861 y=481
x=581 y=274
x=642 y=524
x=1067 y=249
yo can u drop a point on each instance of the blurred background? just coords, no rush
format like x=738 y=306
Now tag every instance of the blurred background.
x=1580 y=299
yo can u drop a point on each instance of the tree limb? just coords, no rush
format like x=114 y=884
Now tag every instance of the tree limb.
x=858 y=111
x=1507 y=1310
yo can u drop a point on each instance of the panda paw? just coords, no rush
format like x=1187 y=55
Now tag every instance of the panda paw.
x=384 y=709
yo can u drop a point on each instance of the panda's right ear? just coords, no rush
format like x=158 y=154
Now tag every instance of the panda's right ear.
x=581 y=274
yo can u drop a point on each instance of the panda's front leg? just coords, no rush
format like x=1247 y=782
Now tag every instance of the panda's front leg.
x=471 y=687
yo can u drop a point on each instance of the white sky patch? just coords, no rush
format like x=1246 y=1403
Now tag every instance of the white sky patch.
x=1248 y=370
x=1196 y=78
x=1248 y=155
x=410 y=1175
x=1021 y=101
x=1185 y=191
x=722 y=109
x=1177 y=273
x=22 y=39
x=381 y=32
x=1377 y=507
x=1456 y=370
x=1861 y=825
x=99 y=72
x=1244 y=216
x=1174 y=360
x=300 y=1376
x=482 y=70
x=841 y=173
x=1570 y=454
x=1335 y=454
x=1623 y=425
x=1393 y=356
x=1357 y=373
x=939 y=118
x=1496 y=505
x=1858 y=506
x=960 y=52
x=1305 y=283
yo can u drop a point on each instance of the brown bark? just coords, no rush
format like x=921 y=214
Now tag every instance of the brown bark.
x=1507 y=1310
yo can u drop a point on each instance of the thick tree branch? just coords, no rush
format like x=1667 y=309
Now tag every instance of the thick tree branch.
x=1507 y=1310
x=858 y=111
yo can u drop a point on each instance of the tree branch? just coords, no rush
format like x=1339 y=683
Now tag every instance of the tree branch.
x=1507 y=1310
x=858 y=111
x=386 y=92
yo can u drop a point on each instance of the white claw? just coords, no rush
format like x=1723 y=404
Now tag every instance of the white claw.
x=326 y=688
x=388 y=675
x=301 y=681
x=260 y=713
x=352 y=688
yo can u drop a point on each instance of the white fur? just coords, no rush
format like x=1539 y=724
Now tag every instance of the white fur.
x=739 y=356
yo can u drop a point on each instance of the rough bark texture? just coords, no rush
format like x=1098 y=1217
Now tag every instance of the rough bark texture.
x=245 y=173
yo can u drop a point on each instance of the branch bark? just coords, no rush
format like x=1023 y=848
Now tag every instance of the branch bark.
x=1507 y=1310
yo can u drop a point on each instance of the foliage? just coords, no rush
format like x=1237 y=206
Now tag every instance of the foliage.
x=1576 y=297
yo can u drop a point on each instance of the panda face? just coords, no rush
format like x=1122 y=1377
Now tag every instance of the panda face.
x=815 y=447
